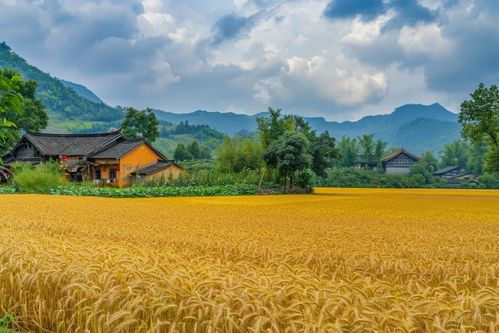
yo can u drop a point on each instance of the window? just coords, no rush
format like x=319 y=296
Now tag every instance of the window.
x=97 y=174
x=112 y=174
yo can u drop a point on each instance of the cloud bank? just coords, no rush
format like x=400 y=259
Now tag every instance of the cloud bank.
x=341 y=59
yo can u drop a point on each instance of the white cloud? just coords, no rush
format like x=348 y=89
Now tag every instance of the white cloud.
x=364 y=32
x=424 y=39
x=339 y=80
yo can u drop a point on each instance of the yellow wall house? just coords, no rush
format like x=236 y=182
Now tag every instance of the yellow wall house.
x=131 y=161
x=103 y=158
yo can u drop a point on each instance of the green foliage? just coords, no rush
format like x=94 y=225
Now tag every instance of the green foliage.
x=61 y=102
x=6 y=323
x=7 y=189
x=156 y=191
x=181 y=153
x=348 y=177
x=455 y=153
x=37 y=179
x=29 y=114
x=348 y=151
x=291 y=147
x=11 y=106
x=238 y=155
x=140 y=125
x=467 y=156
x=429 y=161
x=479 y=118
x=288 y=154
x=490 y=181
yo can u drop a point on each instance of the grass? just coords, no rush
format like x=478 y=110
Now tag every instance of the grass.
x=6 y=322
x=342 y=260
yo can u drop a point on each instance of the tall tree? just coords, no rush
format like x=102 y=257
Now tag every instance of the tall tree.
x=181 y=153
x=140 y=125
x=455 y=153
x=367 y=150
x=348 y=151
x=379 y=152
x=289 y=154
x=226 y=155
x=323 y=151
x=479 y=118
x=194 y=150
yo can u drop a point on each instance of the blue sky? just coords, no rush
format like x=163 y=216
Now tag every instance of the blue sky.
x=341 y=59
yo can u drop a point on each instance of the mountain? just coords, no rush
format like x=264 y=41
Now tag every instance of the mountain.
x=227 y=122
x=82 y=91
x=416 y=127
x=62 y=103
x=74 y=108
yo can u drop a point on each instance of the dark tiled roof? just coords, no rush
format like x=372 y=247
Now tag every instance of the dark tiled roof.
x=119 y=149
x=397 y=153
x=445 y=170
x=153 y=168
x=70 y=144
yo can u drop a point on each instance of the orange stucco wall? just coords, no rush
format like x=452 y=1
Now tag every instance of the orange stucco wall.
x=137 y=158
x=172 y=170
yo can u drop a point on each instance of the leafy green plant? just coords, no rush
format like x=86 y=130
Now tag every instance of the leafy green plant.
x=156 y=191
x=37 y=179
x=6 y=322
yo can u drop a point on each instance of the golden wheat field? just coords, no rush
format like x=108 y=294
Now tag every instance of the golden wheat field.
x=341 y=260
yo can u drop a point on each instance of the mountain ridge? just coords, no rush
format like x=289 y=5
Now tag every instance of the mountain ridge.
x=72 y=106
x=383 y=126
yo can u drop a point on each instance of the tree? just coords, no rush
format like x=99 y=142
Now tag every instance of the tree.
x=194 y=150
x=30 y=113
x=289 y=154
x=348 y=151
x=140 y=125
x=181 y=153
x=204 y=153
x=367 y=150
x=10 y=103
x=379 y=152
x=323 y=151
x=455 y=153
x=429 y=161
x=226 y=155
x=479 y=118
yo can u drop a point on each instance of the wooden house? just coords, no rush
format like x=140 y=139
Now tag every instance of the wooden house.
x=448 y=172
x=104 y=158
x=399 y=162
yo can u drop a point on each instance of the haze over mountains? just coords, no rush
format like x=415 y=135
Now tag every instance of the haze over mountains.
x=413 y=126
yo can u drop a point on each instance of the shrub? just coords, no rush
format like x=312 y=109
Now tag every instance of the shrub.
x=139 y=191
x=489 y=181
x=37 y=179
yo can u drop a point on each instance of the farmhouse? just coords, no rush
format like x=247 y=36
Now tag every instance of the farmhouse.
x=399 y=162
x=456 y=175
x=103 y=158
x=448 y=172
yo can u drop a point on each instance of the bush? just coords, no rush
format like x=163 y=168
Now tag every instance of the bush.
x=37 y=179
x=7 y=190
x=348 y=177
x=207 y=177
x=489 y=181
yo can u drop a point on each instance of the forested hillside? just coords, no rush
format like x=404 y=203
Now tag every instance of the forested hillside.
x=61 y=102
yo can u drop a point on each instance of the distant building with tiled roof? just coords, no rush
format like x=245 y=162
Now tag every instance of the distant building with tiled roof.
x=399 y=162
x=104 y=158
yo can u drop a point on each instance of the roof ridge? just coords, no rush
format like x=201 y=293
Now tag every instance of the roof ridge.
x=64 y=135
